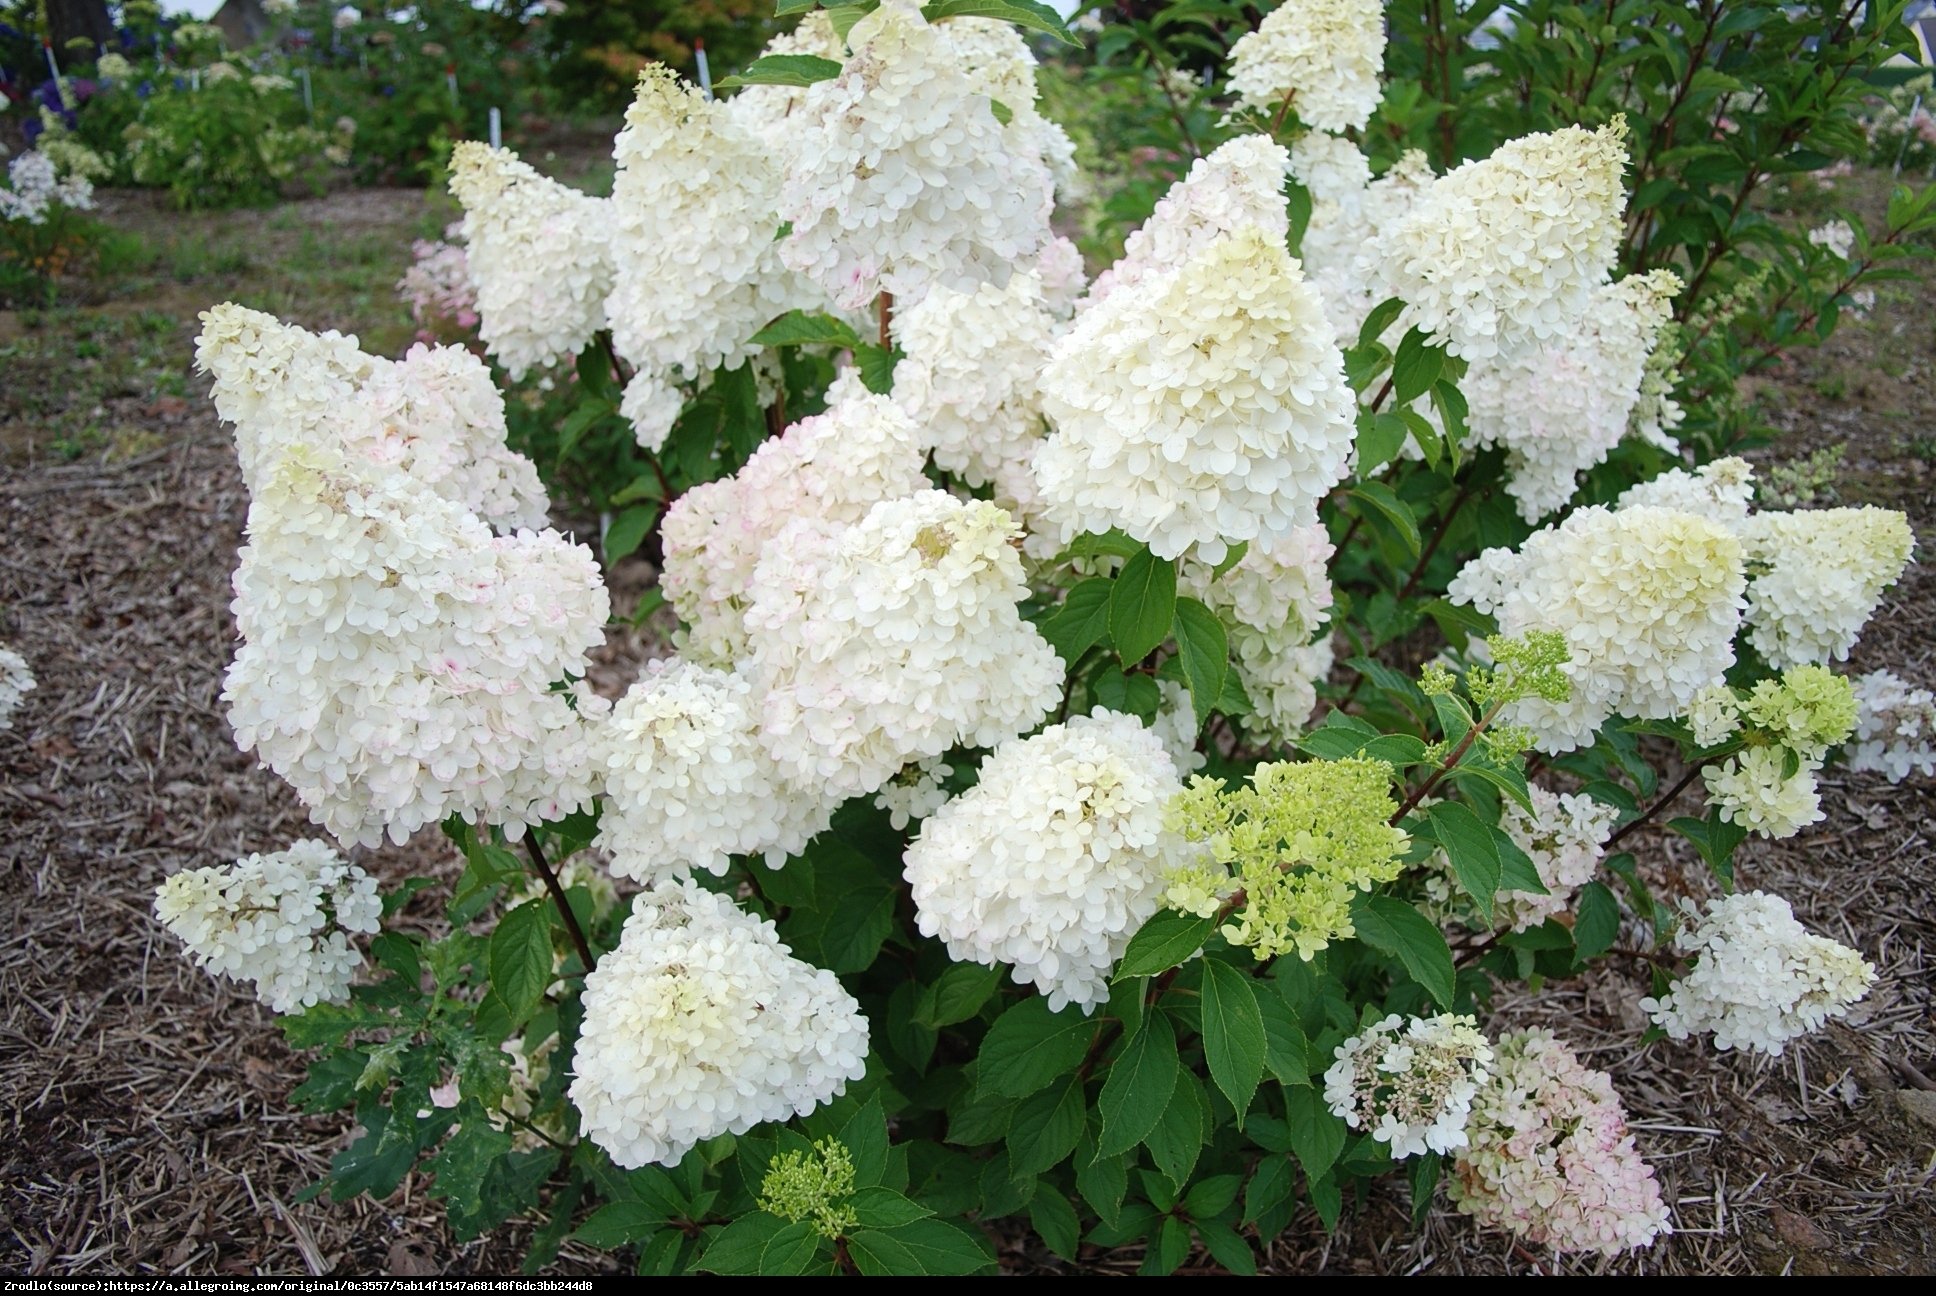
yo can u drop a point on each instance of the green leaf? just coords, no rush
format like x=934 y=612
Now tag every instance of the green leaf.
x=929 y=1246
x=1469 y=845
x=883 y=1208
x=1232 y=555
x=1055 y=1222
x=1102 y=1181
x=521 y=958
x=1425 y=1181
x=794 y=1250
x=876 y=366
x=958 y=994
x=1270 y=1196
x=1168 y=1248
x=1211 y=1196
x=1047 y=1127
x=1226 y=1247
x=573 y=429
x=1107 y=544
x=865 y=1136
x=1082 y=620
x=1715 y=838
x=331 y=1083
x=1393 y=927
x=1415 y=367
x=1380 y=437
x=739 y=1247
x=1138 y=1087
x=782 y=70
x=1233 y=1034
x=1003 y=113
x=1395 y=511
x=1382 y=317
x=1205 y=651
x=1517 y=872
x=784 y=8
x=1598 y=923
x=1286 y=1051
x=618 y=1224
x=804 y=328
x=1029 y=1046
x=1327 y=1199
x=461 y=1167
x=1142 y=606
x=1179 y=1137
x=1023 y=13
x=1316 y=1135
x=1163 y=942
x=628 y=531
x=398 y=952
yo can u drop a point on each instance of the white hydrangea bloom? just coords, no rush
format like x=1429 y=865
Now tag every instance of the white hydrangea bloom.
x=1410 y=1082
x=1564 y=836
x=1509 y=249
x=1721 y=492
x=281 y=920
x=1714 y=715
x=540 y=255
x=687 y=784
x=894 y=640
x=915 y=793
x=1895 y=728
x=1762 y=979
x=1327 y=55
x=1274 y=603
x=1176 y=727
x=702 y=1023
x=900 y=177
x=969 y=379
x=651 y=404
x=1333 y=170
x=1836 y=236
x=694 y=212
x=1053 y=860
x=1648 y=599
x=1206 y=405
x=773 y=113
x=16 y=681
x=1753 y=789
x=1340 y=249
x=1559 y=408
x=34 y=187
x=1819 y=577
x=998 y=62
x=1064 y=277
x=1239 y=186
x=830 y=468
x=1549 y=1156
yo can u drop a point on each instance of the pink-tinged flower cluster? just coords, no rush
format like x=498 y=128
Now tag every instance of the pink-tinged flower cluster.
x=437 y=289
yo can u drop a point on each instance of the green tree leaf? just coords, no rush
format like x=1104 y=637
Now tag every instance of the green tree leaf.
x=882 y=1208
x=1047 y=1126
x=1415 y=367
x=1023 y=13
x=1055 y=1222
x=957 y=994
x=1029 y=1046
x=740 y=1246
x=1226 y=1247
x=929 y=1246
x=1168 y=1248
x=521 y=958
x=1271 y=1196
x=1082 y=620
x=618 y=1224
x=1380 y=437
x=1163 y=942
x=865 y=1137
x=1142 y=606
x=1178 y=1138
x=1469 y=845
x=628 y=531
x=1394 y=510
x=1138 y=1087
x=1598 y=923
x=1233 y=1034
x=782 y=70
x=1393 y=927
x=1205 y=652
x=804 y=328
x=1316 y=1135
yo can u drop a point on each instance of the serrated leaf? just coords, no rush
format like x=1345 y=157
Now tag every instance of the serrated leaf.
x=521 y=958
x=1142 y=606
x=1023 y=13
x=1047 y=1127
x=1598 y=923
x=876 y=364
x=1029 y=1046
x=1269 y=1196
x=958 y=994
x=1424 y=1182
x=807 y=328
x=1380 y=437
x=1178 y=1138
x=629 y=530
x=1227 y=1248
x=1161 y=943
x=865 y=1137
x=1102 y=1181
x=1204 y=649
x=1517 y=872
x=1468 y=843
x=1234 y=1044
x=1415 y=367
x=1082 y=620
x=1393 y=927
x=618 y=1224
x=1286 y=1051
x=1316 y=1135
x=882 y=1208
x=1392 y=509
x=794 y=1250
x=739 y=1247
x=782 y=70
x=929 y=1246
x=1055 y=1222
x=1327 y=1198
x=1382 y=316
x=1138 y=1088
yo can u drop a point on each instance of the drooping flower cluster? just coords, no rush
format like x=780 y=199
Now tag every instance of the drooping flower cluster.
x=1895 y=731
x=1410 y=1083
x=540 y=256
x=1565 y=837
x=281 y=921
x=437 y=288
x=702 y=1023
x=1819 y=577
x=1300 y=841
x=1274 y=602
x=35 y=187
x=1204 y=405
x=1648 y=600
x=16 y=681
x=1761 y=978
x=1326 y=56
x=1548 y=1156
x=1053 y=860
x=900 y=177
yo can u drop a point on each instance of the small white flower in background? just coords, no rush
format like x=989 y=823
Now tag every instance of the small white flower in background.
x=1895 y=731
x=915 y=793
x=346 y=17
x=1820 y=577
x=1053 y=860
x=1548 y=1155
x=35 y=188
x=1754 y=790
x=281 y=921
x=1327 y=55
x=1861 y=302
x=1761 y=978
x=1721 y=492
x=1410 y=1082
x=1836 y=236
x=702 y=1023
x=540 y=255
x=1176 y=727
x=16 y=681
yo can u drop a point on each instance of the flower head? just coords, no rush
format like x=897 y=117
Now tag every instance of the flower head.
x=1410 y=1083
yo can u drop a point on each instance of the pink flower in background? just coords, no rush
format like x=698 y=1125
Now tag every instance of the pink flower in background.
x=438 y=290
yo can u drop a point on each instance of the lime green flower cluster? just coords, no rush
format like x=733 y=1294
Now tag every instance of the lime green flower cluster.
x=1290 y=850
x=815 y=1186
x=1809 y=709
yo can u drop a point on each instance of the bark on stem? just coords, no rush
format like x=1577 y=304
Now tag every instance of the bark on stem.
x=539 y=862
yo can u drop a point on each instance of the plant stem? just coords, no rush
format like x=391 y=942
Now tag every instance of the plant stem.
x=1658 y=806
x=539 y=862
x=1432 y=547
x=1446 y=766
x=1283 y=110
x=885 y=305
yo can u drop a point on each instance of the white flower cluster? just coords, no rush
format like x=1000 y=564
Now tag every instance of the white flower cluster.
x=1819 y=577
x=684 y=304
x=16 y=681
x=1326 y=56
x=398 y=659
x=1721 y=491
x=915 y=793
x=540 y=254
x=1762 y=979
x=900 y=177
x=1175 y=726
x=1201 y=406
x=1410 y=1082
x=1648 y=600
x=35 y=188
x=1053 y=860
x=1510 y=249
x=1274 y=603
x=1564 y=836
x=702 y=1023
x=1837 y=236
x=773 y=112
x=280 y=920
x=1755 y=790
x=1895 y=730
x=1549 y=1157
x=998 y=62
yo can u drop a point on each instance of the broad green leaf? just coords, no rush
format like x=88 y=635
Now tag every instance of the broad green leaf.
x=865 y=1136
x=804 y=328
x=1382 y=316
x=739 y=1247
x=1047 y=1126
x=1469 y=845
x=331 y=1082
x=1138 y=1087
x=1142 y=606
x=1415 y=367
x=794 y=1250
x=928 y=1246
x=629 y=530
x=1106 y=544
x=1327 y=1198
x=462 y=1166
x=1082 y=620
x=1211 y=1196
x=1424 y=1182
x=1023 y=13
x=1517 y=872
x=1316 y=1135
x=1055 y=1222
x=1393 y=927
x=1163 y=942
x=1393 y=509
x=618 y=1224
x=1380 y=437
x=1003 y=113
x=958 y=994
x=1102 y=1181
x=573 y=429
x=1168 y=1248
x=1226 y=1247
x=1286 y=1051
x=876 y=366
x=782 y=70
x=1598 y=923
x=1029 y=1046
x=1178 y=1138
x=1205 y=652
x=1270 y=1196
x=1233 y=1033
x=883 y=1208
x=521 y=958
